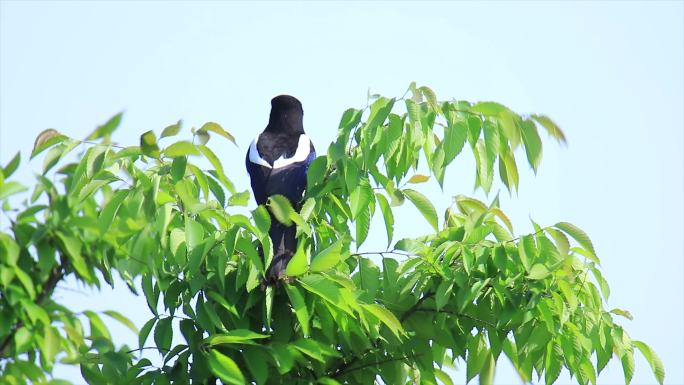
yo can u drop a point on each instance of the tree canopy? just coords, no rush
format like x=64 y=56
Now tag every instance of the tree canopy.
x=466 y=293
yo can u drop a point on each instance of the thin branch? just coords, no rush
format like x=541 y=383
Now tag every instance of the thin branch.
x=402 y=358
x=485 y=323
x=100 y=144
x=415 y=307
x=55 y=276
x=148 y=348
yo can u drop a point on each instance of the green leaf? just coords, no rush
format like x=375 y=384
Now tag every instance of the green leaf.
x=362 y=224
x=328 y=258
x=109 y=211
x=214 y=160
x=487 y=372
x=576 y=233
x=299 y=263
x=8 y=170
x=316 y=171
x=11 y=188
x=281 y=208
x=385 y=316
x=551 y=127
x=107 y=128
x=26 y=281
x=97 y=327
x=145 y=331
x=171 y=130
x=360 y=198
x=182 y=148
x=325 y=289
x=225 y=368
x=627 y=360
x=455 y=135
x=538 y=271
x=299 y=306
x=533 y=144
x=121 y=318
x=477 y=355
x=163 y=334
x=237 y=336
x=148 y=144
x=72 y=246
x=423 y=205
x=47 y=138
x=653 y=360
x=489 y=108
x=315 y=349
x=444 y=291
x=623 y=313
x=387 y=215
x=527 y=251
x=215 y=127
x=194 y=233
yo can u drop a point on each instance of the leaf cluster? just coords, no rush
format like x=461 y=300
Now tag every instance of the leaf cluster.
x=464 y=294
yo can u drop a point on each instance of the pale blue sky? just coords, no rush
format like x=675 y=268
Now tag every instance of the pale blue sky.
x=609 y=73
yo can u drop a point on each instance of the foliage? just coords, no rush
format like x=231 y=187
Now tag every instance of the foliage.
x=464 y=294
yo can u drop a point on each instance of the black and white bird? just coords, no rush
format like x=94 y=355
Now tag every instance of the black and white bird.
x=277 y=161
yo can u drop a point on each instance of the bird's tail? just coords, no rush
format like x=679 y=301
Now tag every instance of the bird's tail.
x=284 y=245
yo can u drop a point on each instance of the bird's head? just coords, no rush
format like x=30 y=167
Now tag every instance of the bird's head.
x=287 y=115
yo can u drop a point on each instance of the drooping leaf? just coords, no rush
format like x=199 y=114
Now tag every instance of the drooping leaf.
x=576 y=233
x=551 y=127
x=386 y=317
x=299 y=306
x=423 y=205
x=387 y=215
x=215 y=127
x=121 y=318
x=533 y=145
x=281 y=208
x=652 y=359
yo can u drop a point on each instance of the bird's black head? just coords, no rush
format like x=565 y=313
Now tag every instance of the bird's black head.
x=287 y=115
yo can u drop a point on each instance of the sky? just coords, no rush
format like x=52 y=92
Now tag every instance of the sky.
x=609 y=73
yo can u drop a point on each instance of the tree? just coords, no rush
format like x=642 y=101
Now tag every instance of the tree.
x=468 y=291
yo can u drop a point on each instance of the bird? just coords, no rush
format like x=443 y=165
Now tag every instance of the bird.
x=277 y=161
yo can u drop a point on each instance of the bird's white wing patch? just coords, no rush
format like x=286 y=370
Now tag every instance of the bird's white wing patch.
x=303 y=150
x=254 y=156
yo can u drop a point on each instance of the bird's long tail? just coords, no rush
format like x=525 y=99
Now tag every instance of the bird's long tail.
x=284 y=246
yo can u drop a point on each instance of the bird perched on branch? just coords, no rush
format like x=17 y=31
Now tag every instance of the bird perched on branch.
x=277 y=161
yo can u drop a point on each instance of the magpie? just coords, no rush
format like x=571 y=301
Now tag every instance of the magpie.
x=277 y=161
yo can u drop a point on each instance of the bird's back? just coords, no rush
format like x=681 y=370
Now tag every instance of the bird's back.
x=272 y=145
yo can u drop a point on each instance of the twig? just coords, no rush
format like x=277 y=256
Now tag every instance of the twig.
x=56 y=275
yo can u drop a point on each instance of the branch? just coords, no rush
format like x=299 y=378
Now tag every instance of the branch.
x=414 y=308
x=402 y=358
x=55 y=276
x=486 y=323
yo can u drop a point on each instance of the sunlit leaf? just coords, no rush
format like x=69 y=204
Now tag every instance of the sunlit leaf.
x=215 y=127
x=225 y=368
x=423 y=205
